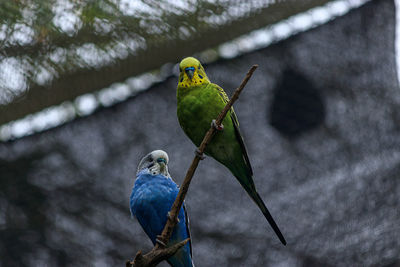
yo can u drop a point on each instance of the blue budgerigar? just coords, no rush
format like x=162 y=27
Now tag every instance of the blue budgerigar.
x=152 y=197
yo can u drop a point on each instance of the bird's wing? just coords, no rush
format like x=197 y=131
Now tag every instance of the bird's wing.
x=225 y=99
x=235 y=121
x=188 y=229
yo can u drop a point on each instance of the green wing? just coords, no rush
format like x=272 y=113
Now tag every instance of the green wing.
x=239 y=137
x=241 y=168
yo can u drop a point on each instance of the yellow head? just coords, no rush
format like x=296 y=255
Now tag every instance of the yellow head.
x=191 y=73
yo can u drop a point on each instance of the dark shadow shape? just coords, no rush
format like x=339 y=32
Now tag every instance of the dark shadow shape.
x=297 y=106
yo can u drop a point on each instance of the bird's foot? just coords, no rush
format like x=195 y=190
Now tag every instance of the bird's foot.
x=169 y=217
x=160 y=242
x=217 y=127
x=200 y=155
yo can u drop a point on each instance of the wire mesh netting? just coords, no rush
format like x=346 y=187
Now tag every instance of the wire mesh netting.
x=320 y=119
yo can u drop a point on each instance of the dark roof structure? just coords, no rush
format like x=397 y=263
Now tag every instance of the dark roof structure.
x=65 y=54
x=320 y=119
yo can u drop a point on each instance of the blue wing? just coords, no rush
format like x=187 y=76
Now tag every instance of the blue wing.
x=151 y=199
x=183 y=257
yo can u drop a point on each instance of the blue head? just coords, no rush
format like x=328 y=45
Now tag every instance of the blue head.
x=156 y=162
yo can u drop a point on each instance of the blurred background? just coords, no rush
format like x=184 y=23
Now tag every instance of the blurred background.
x=88 y=87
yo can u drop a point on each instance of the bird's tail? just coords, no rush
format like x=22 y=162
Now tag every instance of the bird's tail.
x=260 y=203
x=181 y=259
x=246 y=180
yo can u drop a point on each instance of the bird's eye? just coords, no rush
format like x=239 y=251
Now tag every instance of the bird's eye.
x=150 y=159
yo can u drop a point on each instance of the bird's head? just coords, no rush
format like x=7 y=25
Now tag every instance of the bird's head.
x=156 y=162
x=191 y=73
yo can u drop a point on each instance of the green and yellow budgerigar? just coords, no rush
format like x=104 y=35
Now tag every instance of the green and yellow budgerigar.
x=199 y=102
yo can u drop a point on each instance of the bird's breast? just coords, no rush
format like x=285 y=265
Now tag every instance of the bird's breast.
x=154 y=190
x=195 y=113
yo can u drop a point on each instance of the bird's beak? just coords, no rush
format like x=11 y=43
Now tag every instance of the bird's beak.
x=163 y=163
x=163 y=166
x=190 y=72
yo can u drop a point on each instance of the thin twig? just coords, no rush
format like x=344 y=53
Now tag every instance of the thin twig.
x=173 y=214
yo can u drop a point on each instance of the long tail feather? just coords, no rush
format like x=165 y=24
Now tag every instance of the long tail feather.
x=260 y=203
x=243 y=175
